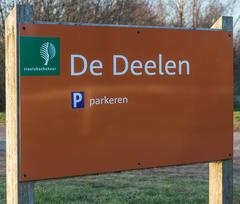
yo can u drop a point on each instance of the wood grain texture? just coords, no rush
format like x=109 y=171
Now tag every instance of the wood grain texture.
x=25 y=14
x=224 y=23
x=11 y=108
x=21 y=13
x=221 y=172
x=215 y=182
x=221 y=182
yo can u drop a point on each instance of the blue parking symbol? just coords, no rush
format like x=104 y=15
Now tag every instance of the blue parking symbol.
x=77 y=100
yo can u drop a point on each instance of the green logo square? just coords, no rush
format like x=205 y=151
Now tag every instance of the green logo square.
x=39 y=56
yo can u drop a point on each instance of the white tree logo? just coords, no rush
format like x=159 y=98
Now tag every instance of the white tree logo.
x=47 y=52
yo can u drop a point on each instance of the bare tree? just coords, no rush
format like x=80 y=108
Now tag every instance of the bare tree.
x=191 y=13
x=5 y=6
x=212 y=12
x=196 y=12
x=161 y=13
x=178 y=7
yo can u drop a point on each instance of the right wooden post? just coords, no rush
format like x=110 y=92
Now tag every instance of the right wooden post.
x=221 y=172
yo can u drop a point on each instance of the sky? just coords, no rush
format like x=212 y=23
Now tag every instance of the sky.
x=235 y=12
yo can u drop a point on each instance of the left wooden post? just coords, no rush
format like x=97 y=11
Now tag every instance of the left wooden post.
x=17 y=192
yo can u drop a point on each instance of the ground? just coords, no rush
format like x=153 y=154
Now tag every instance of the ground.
x=2 y=117
x=181 y=184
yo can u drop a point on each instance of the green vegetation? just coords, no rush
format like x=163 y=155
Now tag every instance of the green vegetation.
x=123 y=188
x=2 y=189
x=237 y=116
x=134 y=187
x=237 y=119
x=2 y=117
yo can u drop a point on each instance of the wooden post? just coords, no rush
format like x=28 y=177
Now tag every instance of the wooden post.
x=27 y=193
x=15 y=189
x=221 y=172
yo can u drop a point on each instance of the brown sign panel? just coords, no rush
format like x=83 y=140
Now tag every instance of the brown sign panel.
x=97 y=99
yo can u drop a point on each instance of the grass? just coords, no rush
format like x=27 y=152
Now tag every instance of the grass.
x=122 y=188
x=236 y=116
x=2 y=189
x=132 y=187
x=2 y=117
